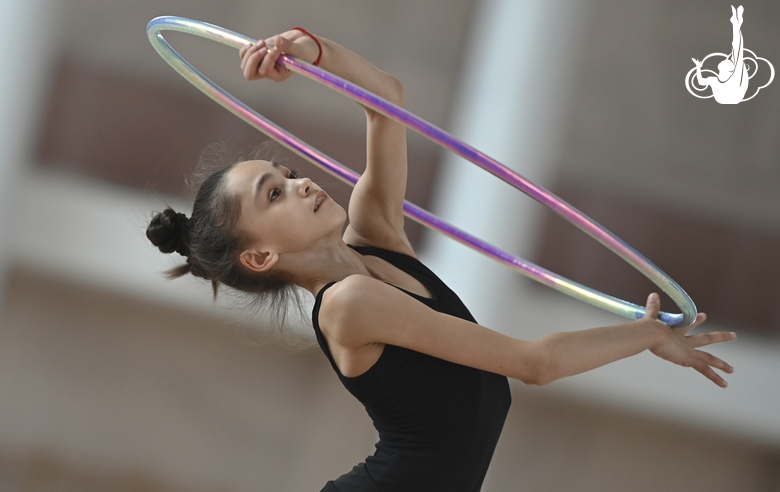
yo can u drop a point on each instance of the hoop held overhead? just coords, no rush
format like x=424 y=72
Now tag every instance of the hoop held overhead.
x=569 y=213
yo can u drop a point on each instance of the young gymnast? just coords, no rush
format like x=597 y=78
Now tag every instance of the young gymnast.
x=433 y=381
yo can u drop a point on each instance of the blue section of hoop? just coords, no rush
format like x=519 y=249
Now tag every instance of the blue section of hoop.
x=571 y=214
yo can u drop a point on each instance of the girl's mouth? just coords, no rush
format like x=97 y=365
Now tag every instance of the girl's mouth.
x=321 y=197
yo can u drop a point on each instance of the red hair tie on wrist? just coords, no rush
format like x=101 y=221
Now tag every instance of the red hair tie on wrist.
x=319 y=45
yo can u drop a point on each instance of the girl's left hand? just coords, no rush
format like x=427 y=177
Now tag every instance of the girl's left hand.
x=258 y=61
x=683 y=350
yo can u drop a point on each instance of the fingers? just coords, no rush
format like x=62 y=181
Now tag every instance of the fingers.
x=269 y=60
x=278 y=45
x=682 y=350
x=653 y=306
x=251 y=56
x=713 y=361
x=700 y=318
x=704 y=339
x=705 y=362
x=259 y=60
x=708 y=373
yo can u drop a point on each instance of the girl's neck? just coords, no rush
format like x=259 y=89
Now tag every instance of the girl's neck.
x=314 y=269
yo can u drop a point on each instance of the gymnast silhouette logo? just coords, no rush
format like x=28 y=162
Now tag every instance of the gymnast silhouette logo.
x=734 y=71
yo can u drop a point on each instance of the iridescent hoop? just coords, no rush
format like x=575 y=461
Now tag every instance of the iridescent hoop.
x=577 y=218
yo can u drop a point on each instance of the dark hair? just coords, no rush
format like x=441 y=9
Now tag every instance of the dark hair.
x=211 y=242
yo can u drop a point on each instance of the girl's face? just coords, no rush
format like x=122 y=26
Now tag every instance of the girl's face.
x=281 y=212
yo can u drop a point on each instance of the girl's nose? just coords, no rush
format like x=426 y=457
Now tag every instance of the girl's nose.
x=304 y=186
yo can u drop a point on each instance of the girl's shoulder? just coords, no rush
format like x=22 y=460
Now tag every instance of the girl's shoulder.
x=360 y=311
x=347 y=306
x=350 y=293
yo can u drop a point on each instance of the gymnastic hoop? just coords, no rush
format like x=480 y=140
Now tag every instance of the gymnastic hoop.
x=610 y=241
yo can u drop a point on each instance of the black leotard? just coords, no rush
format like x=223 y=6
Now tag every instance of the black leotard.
x=438 y=422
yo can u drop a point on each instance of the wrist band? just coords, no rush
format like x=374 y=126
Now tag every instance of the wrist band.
x=319 y=45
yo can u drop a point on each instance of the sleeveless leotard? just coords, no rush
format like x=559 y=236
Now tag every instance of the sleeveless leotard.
x=438 y=422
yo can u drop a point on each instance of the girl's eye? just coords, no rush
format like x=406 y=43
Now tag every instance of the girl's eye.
x=293 y=174
x=275 y=194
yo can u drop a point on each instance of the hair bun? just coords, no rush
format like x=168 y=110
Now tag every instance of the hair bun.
x=168 y=231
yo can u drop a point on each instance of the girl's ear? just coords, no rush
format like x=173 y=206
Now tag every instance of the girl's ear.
x=258 y=261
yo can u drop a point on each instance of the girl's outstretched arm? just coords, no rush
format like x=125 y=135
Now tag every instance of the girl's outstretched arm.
x=580 y=351
x=376 y=205
x=359 y=311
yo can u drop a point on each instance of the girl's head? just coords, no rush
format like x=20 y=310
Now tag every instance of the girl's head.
x=283 y=216
x=210 y=238
x=248 y=218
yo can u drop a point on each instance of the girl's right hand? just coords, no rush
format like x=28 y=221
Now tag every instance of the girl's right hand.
x=682 y=349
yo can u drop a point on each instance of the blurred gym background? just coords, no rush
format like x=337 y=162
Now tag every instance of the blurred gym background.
x=114 y=379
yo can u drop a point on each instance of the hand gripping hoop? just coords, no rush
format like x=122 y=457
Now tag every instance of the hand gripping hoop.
x=572 y=215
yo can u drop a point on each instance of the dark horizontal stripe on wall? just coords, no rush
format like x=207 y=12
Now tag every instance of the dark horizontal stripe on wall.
x=151 y=137
x=732 y=275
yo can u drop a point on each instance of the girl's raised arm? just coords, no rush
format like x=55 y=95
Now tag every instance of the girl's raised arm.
x=376 y=205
